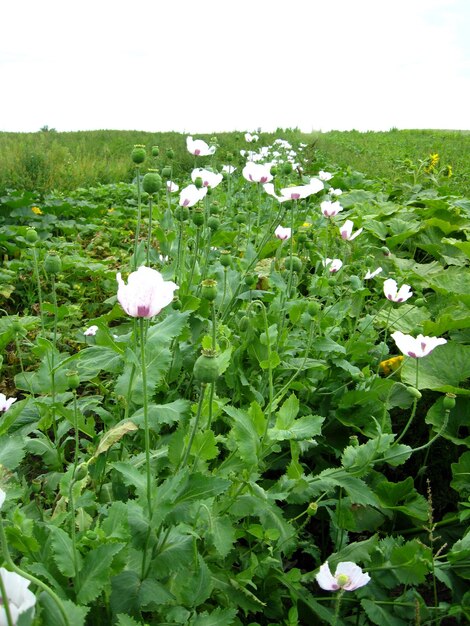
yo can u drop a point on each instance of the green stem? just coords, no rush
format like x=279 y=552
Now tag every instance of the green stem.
x=339 y=597
x=139 y=218
x=196 y=252
x=413 y=410
x=195 y=426
x=53 y=388
x=270 y=374
x=146 y=421
x=5 y=603
x=38 y=283
x=149 y=235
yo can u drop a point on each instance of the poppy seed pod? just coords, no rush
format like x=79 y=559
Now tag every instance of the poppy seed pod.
x=209 y=289
x=152 y=182
x=286 y=168
x=206 y=368
x=52 y=263
x=182 y=213
x=170 y=153
x=213 y=223
x=198 y=216
x=155 y=151
x=73 y=379
x=166 y=171
x=138 y=154
x=449 y=401
x=293 y=263
x=31 y=235
x=225 y=258
x=240 y=218
x=198 y=182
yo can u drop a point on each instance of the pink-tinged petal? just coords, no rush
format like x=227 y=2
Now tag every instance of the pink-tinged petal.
x=373 y=274
x=325 y=578
x=146 y=292
x=357 y=578
x=3 y=495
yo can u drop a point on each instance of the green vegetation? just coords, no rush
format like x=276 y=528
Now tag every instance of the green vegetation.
x=49 y=160
x=267 y=425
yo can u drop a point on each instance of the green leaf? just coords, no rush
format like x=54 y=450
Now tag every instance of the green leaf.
x=272 y=362
x=11 y=451
x=381 y=615
x=411 y=562
x=222 y=533
x=113 y=435
x=461 y=475
x=91 y=361
x=53 y=617
x=205 y=446
x=198 y=585
x=62 y=548
x=94 y=574
x=442 y=370
x=126 y=620
x=288 y=412
x=245 y=435
x=457 y=422
x=218 y=617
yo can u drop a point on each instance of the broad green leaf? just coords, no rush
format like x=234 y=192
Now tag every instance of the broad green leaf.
x=159 y=414
x=222 y=533
x=175 y=554
x=53 y=617
x=205 y=446
x=131 y=475
x=95 y=572
x=461 y=475
x=126 y=620
x=288 y=412
x=442 y=370
x=152 y=594
x=411 y=562
x=95 y=359
x=11 y=451
x=457 y=423
x=198 y=584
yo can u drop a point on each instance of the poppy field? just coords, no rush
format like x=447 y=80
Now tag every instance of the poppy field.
x=235 y=391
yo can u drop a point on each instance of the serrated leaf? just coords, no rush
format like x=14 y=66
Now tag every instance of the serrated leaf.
x=94 y=574
x=53 y=617
x=126 y=620
x=222 y=533
x=198 y=587
x=218 y=617
x=245 y=435
x=62 y=548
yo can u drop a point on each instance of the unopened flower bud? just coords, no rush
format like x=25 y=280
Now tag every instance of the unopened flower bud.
x=152 y=182
x=81 y=471
x=414 y=393
x=52 y=263
x=138 y=154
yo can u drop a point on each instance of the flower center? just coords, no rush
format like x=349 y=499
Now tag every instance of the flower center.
x=342 y=580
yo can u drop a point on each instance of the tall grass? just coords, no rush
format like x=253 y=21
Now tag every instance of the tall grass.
x=48 y=160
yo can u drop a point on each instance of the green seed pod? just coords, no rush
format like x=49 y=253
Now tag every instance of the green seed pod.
x=182 y=213
x=206 y=368
x=229 y=157
x=225 y=258
x=36 y=484
x=240 y=218
x=312 y=509
x=286 y=168
x=152 y=182
x=177 y=304
x=166 y=171
x=449 y=401
x=138 y=154
x=419 y=302
x=293 y=263
x=81 y=471
x=198 y=182
x=155 y=151
x=209 y=289
x=170 y=153
x=52 y=263
x=213 y=223
x=73 y=379
x=214 y=208
x=385 y=251
x=198 y=216
x=274 y=170
x=31 y=235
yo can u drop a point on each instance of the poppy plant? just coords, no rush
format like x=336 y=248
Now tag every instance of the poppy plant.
x=394 y=294
x=198 y=147
x=416 y=347
x=146 y=292
x=209 y=179
x=330 y=209
x=257 y=172
x=191 y=194
x=347 y=576
x=346 y=231
x=283 y=233
x=20 y=599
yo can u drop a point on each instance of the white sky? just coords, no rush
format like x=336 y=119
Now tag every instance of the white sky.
x=204 y=66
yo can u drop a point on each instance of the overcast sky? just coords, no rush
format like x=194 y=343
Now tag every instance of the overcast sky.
x=203 y=66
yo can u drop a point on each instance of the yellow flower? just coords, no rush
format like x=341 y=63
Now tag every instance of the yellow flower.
x=306 y=225
x=36 y=210
x=390 y=365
